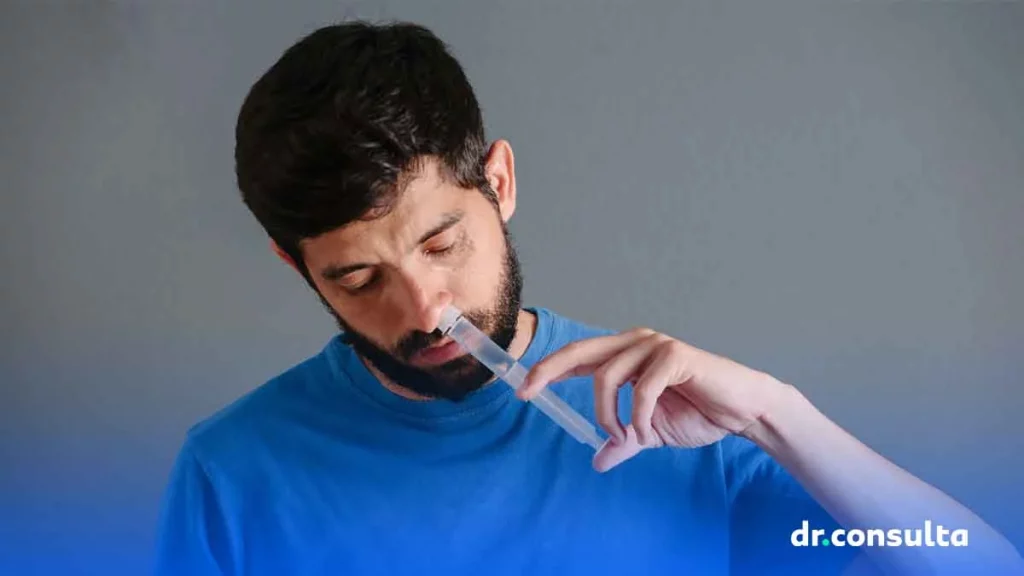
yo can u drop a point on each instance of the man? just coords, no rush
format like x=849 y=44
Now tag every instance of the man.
x=362 y=154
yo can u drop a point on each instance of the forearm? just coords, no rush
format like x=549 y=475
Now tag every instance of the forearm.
x=863 y=490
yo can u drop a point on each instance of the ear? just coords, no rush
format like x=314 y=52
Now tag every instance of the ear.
x=284 y=256
x=500 y=169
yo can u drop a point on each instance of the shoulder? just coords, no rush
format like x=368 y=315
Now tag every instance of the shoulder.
x=565 y=330
x=247 y=422
x=224 y=457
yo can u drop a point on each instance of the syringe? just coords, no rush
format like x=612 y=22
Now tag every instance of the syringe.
x=505 y=367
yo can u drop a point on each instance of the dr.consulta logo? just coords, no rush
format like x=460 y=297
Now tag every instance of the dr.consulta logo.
x=937 y=535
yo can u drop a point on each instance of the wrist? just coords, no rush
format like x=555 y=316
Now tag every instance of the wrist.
x=779 y=421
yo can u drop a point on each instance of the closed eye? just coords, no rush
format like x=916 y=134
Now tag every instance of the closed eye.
x=440 y=251
x=444 y=243
x=356 y=288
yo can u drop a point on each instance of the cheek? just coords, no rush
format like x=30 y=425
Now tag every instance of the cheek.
x=357 y=318
x=476 y=283
x=372 y=322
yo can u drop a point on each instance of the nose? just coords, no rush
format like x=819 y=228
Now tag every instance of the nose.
x=423 y=301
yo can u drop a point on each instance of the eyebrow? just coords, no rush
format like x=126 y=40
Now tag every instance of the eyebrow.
x=334 y=272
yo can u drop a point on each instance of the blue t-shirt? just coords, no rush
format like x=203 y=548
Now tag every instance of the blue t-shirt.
x=324 y=471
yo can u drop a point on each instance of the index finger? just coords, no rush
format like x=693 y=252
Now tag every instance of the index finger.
x=578 y=358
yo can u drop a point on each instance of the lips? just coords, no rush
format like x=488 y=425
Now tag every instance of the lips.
x=438 y=354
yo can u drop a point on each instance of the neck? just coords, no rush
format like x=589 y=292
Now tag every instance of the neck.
x=526 y=327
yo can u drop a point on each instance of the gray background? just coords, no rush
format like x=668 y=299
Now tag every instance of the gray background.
x=830 y=193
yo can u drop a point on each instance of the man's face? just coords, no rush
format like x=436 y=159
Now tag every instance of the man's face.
x=385 y=281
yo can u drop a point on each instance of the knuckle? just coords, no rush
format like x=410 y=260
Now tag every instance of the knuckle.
x=658 y=341
x=602 y=377
x=540 y=372
x=642 y=395
x=671 y=347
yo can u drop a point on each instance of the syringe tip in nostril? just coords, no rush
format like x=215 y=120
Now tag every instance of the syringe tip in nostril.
x=449 y=316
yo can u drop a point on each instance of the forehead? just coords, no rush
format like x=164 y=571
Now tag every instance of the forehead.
x=426 y=197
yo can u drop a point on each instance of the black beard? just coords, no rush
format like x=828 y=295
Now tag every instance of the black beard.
x=457 y=378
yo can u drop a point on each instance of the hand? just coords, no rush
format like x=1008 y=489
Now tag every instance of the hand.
x=682 y=396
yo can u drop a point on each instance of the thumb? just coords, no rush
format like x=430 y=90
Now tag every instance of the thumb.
x=615 y=452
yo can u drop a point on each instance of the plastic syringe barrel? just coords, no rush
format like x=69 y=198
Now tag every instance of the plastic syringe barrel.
x=549 y=403
x=474 y=341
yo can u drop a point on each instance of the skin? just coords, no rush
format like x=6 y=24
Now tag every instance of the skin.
x=415 y=274
x=684 y=397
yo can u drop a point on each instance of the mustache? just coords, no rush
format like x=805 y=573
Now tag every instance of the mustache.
x=417 y=340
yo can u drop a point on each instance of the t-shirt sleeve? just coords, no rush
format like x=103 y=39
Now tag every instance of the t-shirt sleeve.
x=192 y=535
x=769 y=514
